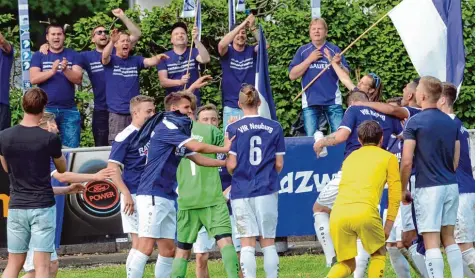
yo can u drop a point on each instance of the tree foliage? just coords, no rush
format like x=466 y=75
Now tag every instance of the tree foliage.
x=380 y=51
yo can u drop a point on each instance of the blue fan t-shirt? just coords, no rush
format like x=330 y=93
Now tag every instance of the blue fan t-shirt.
x=356 y=115
x=59 y=89
x=435 y=134
x=239 y=67
x=91 y=63
x=166 y=149
x=258 y=140
x=176 y=67
x=122 y=82
x=6 y=63
x=131 y=161
x=325 y=90
x=464 y=172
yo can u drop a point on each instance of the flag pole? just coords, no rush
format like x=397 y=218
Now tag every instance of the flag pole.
x=344 y=51
x=191 y=44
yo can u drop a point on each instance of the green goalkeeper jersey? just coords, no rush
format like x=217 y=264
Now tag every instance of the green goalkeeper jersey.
x=198 y=186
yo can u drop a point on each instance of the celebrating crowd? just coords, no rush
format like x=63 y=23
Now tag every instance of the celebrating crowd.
x=226 y=183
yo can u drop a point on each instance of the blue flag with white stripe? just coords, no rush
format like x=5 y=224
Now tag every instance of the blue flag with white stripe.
x=267 y=108
x=315 y=9
x=231 y=14
x=432 y=32
x=240 y=6
x=199 y=20
x=188 y=9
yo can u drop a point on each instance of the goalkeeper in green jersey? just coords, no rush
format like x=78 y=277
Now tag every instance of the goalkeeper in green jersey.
x=201 y=204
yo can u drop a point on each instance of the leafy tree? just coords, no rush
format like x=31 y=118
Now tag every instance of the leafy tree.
x=380 y=51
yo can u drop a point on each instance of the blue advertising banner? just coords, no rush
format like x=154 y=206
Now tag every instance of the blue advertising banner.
x=302 y=178
x=81 y=220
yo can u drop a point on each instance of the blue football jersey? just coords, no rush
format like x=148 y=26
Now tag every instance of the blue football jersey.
x=132 y=161
x=356 y=115
x=395 y=147
x=166 y=149
x=258 y=140
x=464 y=172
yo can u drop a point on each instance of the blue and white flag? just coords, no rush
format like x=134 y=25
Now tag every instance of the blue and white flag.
x=267 y=108
x=315 y=9
x=231 y=14
x=188 y=9
x=432 y=32
x=240 y=6
x=198 y=20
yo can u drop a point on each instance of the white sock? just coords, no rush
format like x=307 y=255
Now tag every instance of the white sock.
x=136 y=266
x=434 y=263
x=468 y=261
x=321 y=225
x=361 y=261
x=455 y=260
x=163 y=267
x=399 y=263
x=271 y=261
x=129 y=256
x=248 y=262
x=419 y=260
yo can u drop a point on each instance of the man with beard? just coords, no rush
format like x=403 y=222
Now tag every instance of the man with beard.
x=238 y=63
x=122 y=76
x=175 y=73
x=6 y=62
x=94 y=68
x=91 y=63
x=56 y=73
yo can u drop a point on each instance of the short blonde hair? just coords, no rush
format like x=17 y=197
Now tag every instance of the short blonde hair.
x=175 y=97
x=207 y=107
x=138 y=100
x=192 y=97
x=317 y=20
x=432 y=87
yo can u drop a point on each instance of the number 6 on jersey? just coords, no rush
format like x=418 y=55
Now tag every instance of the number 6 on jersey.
x=255 y=151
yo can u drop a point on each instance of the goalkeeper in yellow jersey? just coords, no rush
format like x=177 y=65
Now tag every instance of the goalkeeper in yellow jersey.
x=355 y=213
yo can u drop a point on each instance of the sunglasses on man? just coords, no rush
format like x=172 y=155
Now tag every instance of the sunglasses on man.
x=100 y=32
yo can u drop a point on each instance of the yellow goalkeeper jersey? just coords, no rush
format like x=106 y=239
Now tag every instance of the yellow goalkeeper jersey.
x=364 y=174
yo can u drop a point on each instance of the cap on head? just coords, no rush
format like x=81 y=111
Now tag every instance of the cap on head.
x=177 y=25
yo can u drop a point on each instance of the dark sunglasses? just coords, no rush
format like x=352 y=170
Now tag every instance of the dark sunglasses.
x=100 y=32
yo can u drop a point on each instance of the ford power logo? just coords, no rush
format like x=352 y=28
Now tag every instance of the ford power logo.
x=100 y=197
